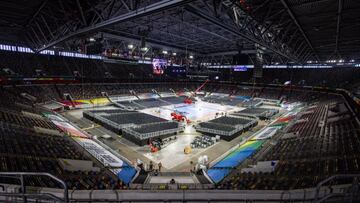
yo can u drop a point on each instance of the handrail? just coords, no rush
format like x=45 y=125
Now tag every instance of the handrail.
x=282 y=195
x=50 y=196
x=189 y=195
x=207 y=176
x=320 y=184
x=329 y=196
x=168 y=200
x=21 y=175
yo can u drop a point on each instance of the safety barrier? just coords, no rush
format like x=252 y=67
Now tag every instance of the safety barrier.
x=22 y=191
x=179 y=193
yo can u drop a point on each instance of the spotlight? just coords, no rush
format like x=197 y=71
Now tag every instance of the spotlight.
x=130 y=46
x=191 y=56
x=174 y=53
x=164 y=52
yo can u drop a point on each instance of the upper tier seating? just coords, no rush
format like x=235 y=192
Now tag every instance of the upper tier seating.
x=319 y=148
x=230 y=120
x=155 y=127
x=150 y=103
x=26 y=121
x=135 y=118
x=216 y=126
x=24 y=150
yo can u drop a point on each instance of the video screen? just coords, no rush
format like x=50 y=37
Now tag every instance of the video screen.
x=159 y=66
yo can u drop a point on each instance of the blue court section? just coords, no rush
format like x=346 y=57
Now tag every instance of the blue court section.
x=218 y=174
x=233 y=161
x=242 y=97
x=127 y=173
x=221 y=169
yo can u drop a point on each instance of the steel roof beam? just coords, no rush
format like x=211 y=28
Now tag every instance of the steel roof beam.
x=252 y=51
x=202 y=29
x=300 y=27
x=230 y=29
x=338 y=26
x=117 y=35
x=184 y=38
x=141 y=12
x=37 y=12
x=310 y=3
x=126 y=6
x=81 y=12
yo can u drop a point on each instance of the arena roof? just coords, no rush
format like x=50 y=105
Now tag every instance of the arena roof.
x=288 y=30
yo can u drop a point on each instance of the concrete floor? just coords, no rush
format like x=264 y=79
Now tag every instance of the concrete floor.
x=172 y=156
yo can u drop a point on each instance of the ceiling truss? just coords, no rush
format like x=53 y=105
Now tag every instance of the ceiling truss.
x=212 y=30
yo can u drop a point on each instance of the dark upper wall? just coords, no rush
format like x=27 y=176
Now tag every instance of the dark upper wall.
x=331 y=77
x=26 y=64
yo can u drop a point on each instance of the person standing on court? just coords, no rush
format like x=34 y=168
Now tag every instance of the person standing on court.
x=159 y=166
